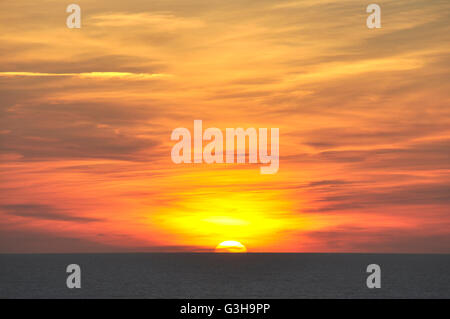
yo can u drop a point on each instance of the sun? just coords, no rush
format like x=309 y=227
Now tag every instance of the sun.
x=231 y=246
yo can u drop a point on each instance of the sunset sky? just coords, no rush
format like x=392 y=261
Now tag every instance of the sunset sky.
x=86 y=117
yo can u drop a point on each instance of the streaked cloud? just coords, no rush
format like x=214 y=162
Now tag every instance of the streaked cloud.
x=45 y=212
x=160 y=20
x=98 y=75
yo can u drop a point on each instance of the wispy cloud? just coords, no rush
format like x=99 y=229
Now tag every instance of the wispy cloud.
x=161 y=20
x=44 y=212
x=99 y=75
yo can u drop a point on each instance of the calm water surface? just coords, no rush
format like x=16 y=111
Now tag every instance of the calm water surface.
x=162 y=275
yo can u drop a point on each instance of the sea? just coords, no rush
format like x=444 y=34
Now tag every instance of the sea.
x=225 y=276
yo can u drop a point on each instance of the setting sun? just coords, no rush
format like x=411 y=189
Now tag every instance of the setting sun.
x=230 y=246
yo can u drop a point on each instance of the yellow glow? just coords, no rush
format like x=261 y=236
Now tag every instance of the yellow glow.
x=231 y=246
x=199 y=217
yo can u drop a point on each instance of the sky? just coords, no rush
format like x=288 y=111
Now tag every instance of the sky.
x=86 y=117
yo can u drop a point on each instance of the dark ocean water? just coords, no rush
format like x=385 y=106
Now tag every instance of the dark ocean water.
x=225 y=276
